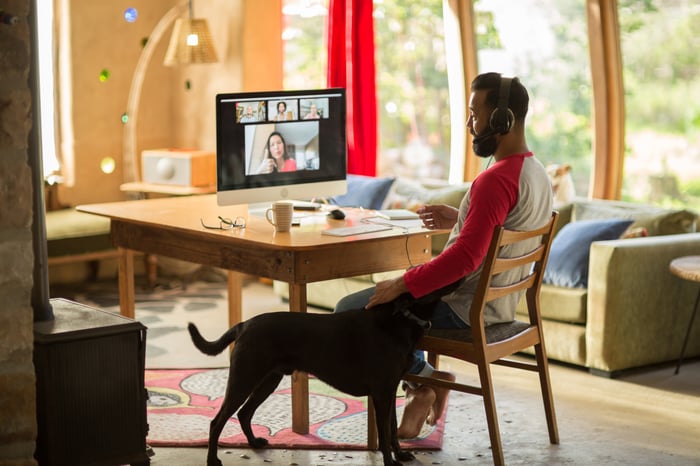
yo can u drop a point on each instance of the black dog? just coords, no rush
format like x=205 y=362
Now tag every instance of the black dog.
x=360 y=352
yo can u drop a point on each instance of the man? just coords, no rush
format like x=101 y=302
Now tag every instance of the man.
x=514 y=191
x=248 y=116
x=313 y=113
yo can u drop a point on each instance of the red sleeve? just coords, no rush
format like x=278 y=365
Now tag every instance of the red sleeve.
x=493 y=194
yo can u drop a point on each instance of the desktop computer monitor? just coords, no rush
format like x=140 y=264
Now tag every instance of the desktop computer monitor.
x=276 y=145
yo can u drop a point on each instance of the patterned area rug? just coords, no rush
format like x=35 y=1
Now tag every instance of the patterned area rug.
x=182 y=403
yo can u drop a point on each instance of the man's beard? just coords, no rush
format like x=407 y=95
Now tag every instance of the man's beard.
x=485 y=144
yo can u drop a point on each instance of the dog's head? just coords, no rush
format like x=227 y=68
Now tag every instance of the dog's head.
x=562 y=183
x=420 y=310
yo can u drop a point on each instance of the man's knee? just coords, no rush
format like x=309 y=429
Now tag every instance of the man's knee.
x=356 y=300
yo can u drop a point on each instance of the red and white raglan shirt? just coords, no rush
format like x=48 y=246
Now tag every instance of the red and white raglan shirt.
x=514 y=192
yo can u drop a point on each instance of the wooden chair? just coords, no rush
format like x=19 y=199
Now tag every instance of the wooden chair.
x=490 y=345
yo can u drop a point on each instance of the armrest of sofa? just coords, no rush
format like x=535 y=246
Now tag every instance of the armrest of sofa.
x=638 y=311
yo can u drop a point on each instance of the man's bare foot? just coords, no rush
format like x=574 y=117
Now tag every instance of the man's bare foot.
x=419 y=402
x=440 y=397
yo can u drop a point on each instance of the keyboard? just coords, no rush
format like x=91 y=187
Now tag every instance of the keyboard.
x=306 y=205
x=356 y=229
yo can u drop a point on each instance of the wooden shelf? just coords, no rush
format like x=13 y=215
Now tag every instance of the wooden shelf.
x=174 y=190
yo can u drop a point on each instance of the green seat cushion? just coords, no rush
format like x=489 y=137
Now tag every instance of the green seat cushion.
x=560 y=303
x=69 y=232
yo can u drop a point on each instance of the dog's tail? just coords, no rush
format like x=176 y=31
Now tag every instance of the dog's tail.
x=212 y=348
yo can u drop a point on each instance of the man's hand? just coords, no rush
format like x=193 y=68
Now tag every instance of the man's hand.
x=386 y=291
x=438 y=217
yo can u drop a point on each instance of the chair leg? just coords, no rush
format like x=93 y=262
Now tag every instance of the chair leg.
x=547 y=398
x=491 y=416
x=372 y=435
x=434 y=360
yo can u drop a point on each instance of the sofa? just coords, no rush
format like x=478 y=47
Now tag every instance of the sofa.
x=609 y=302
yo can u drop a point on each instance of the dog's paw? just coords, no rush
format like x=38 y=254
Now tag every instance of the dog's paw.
x=214 y=462
x=259 y=442
x=404 y=455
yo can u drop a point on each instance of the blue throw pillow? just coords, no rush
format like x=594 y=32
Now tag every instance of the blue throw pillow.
x=568 y=256
x=364 y=191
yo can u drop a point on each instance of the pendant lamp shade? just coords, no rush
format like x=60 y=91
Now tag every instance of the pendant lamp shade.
x=190 y=42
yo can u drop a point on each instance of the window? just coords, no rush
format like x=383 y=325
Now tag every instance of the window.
x=304 y=42
x=549 y=53
x=412 y=89
x=45 y=21
x=661 y=69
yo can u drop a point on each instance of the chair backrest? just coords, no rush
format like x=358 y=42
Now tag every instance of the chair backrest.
x=535 y=261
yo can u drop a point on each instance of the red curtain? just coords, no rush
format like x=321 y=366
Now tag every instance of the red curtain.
x=351 y=65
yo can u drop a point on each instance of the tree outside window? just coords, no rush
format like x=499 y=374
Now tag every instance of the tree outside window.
x=545 y=44
x=660 y=41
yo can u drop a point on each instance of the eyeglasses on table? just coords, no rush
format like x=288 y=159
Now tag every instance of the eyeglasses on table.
x=225 y=223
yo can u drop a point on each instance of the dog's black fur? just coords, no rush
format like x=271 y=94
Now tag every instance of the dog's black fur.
x=360 y=352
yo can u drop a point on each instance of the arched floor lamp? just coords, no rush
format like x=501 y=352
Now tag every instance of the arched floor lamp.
x=190 y=43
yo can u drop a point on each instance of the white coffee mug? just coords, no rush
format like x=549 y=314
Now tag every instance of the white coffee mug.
x=280 y=215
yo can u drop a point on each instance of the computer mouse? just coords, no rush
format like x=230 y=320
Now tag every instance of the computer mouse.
x=336 y=214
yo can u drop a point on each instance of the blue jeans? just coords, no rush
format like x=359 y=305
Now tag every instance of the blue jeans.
x=443 y=318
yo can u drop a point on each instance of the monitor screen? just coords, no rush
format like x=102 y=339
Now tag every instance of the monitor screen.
x=280 y=145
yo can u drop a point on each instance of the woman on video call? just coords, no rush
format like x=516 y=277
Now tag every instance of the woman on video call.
x=276 y=158
x=282 y=114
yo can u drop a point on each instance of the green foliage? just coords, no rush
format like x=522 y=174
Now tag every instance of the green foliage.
x=692 y=187
x=633 y=14
x=560 y=124
x=412 y=75
x=659 y=41
x=661 y=67
x=304 y=52
x=486 y=33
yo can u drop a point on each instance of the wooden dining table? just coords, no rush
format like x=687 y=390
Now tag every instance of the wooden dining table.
x=173 y=227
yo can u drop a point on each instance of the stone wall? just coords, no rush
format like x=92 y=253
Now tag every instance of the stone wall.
x=17 y=382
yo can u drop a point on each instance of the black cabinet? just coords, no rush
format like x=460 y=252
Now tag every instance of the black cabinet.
x=91 y=400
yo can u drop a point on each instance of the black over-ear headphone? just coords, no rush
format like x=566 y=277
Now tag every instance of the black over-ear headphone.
x=502 y=116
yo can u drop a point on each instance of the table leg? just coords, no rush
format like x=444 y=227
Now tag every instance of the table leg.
x=687 y=333
x=300 y=380
x=127 y=296
x=151 y=263
x=235 y=297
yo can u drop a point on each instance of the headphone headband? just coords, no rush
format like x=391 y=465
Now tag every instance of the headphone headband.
x=502 y=116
